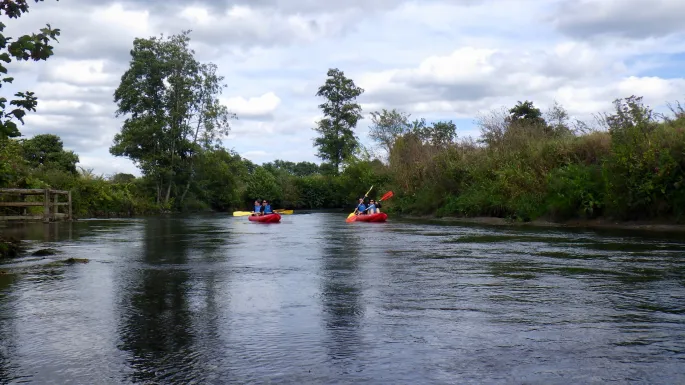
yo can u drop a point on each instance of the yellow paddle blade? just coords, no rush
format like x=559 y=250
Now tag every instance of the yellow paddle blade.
x=350 y=216
x=284 y=212
x=241 y=213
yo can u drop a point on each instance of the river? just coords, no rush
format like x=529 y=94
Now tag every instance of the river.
x=214 y=299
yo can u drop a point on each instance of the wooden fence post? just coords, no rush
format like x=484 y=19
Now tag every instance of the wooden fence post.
x=55 y=207
x=69 y=198
x=46 y=206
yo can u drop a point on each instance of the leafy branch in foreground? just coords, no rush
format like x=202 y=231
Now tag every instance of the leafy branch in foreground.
x=35 y=46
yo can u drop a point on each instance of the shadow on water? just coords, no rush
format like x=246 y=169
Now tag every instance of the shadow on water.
x=341 y=291
x=155 y=314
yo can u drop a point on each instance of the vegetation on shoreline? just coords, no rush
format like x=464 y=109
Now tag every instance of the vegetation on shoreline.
x=526 y=165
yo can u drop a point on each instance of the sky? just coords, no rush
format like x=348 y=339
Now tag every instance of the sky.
x=434 y=59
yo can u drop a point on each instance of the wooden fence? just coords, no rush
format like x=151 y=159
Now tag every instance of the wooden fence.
x=50 y=204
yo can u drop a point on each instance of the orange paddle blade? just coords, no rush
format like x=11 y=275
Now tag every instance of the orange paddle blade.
x=387 y=195
x=351 y=219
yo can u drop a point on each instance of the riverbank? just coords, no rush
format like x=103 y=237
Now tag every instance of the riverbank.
x=657 y=226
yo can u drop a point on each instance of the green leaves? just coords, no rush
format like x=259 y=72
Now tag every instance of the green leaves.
x=35 y=46
x=173 y=111
x=47 y=151
x=341 y=114
x=263 y=185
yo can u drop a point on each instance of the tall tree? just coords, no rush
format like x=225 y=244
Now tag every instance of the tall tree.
x=26 y=47
x=387 y=126
x=341 y=114
x=173 y=112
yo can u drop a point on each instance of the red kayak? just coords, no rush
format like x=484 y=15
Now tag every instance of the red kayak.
x=380 y=217
x=268 y=218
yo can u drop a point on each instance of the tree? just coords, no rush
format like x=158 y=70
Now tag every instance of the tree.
x=305 y=169
x=173 y=112
x=26 y=47
x=122 y=178
x=219 y=181
x=341 y=114
x=526 y=112
x=387 y=126
x=439 y=134
x=263 y=185
x=291 y=168
x=47 y=151
x=558 y=120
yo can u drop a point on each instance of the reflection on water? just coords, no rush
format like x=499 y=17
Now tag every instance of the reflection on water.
x=154 y=310
x=217 y=299
x=341 y=290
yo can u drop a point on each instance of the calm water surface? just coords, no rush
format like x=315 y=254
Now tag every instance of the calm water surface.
x=314 y=300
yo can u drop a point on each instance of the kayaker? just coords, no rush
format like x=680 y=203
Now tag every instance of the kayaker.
x=257 y=207
x=372 y=207
x=361 y=207
x=266 y=208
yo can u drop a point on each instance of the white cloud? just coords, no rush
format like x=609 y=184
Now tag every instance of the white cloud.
x=254 y=107
x=79 y=73
x=435 y=59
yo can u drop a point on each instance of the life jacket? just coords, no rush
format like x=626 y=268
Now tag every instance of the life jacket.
x=371 y=209
x=257 y=208
x=361 y=207
x=267 y=209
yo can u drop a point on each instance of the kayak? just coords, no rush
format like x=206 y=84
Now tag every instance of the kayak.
x=268 y=218
x=380 y=217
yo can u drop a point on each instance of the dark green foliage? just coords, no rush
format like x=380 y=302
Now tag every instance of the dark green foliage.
x=292 y=168
x=576 y=191
x=336 y=141
x=263 y=185
x=173 y=113
x=526 y=113
x=47 y=151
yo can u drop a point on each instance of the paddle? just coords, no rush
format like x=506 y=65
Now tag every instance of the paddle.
x=241 y=213
x=283 y=211
x=352 y=217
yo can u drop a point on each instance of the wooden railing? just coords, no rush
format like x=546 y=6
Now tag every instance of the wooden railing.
x=50 y=204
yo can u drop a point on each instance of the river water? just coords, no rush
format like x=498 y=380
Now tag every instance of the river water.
x=314 y=300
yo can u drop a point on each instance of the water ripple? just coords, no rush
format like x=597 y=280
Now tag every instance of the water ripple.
x=218 y=299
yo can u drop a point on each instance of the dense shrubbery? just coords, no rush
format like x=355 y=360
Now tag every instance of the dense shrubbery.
x=522 y=168
x=526 y=168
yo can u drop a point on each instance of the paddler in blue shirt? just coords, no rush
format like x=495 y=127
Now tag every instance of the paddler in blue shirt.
x=372 y=207
x=257 y=207
x=266 y=208
x=361 y=207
